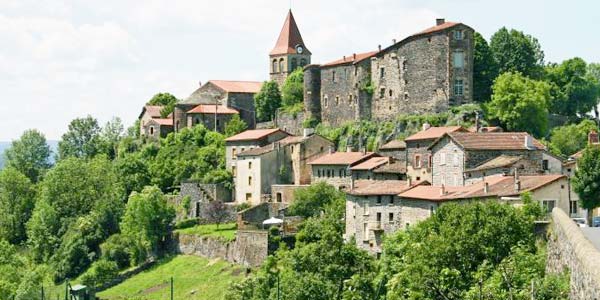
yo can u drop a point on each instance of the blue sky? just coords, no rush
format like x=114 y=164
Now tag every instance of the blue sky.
x=64 y=59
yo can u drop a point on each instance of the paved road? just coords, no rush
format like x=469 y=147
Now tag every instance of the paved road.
x=592 y=234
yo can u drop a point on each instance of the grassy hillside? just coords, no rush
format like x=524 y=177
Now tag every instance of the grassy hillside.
x=195 y=278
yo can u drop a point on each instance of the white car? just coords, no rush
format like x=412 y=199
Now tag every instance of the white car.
x=581 y=222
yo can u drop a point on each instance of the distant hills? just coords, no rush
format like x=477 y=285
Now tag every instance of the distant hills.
x=6 y=145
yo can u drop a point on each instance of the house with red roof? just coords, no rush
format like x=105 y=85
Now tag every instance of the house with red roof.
x=249 y=139
x=334 y=168
x=152 y=124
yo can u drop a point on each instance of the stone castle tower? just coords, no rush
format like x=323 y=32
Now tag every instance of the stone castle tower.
x=289 y=52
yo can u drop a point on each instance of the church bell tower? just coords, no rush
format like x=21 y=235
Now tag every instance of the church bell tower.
x=289 y=52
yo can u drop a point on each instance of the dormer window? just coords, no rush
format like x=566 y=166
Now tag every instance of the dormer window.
x=458 y=35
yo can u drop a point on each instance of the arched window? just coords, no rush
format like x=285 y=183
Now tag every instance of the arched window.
x=294 y=64
x=302 y=62
x=274 y=66
x=197 y=121
x=151 y=130
x=281 y=68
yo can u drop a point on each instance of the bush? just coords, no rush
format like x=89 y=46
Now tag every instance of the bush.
x=100 y=273
x=115 y=249
x=187 y=223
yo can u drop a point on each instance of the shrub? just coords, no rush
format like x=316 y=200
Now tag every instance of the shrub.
x=115 y=249
x=187 y=223
x=101 y=272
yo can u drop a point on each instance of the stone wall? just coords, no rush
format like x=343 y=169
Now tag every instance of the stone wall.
x=201 y=194
x=250 y=248
x=568 y=249
x=244 y=103
x=254 y=216
x=291 y=123
x=337 y=175
x=414 y=148
x=284 y=193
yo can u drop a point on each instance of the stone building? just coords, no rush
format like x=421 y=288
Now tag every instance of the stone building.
x=334 y=167
x=282 y=162
x=483 y=154
x=379 y=168
x=236 y=95
x=395 y=149
x=213 y=117
x=249 y=139
x=418 y=154
x=427 y=72
x=372 y=210
x=289 y=52
x=200 y=195
x=152 y=125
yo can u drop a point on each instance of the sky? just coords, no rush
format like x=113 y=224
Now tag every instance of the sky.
x=61 y=59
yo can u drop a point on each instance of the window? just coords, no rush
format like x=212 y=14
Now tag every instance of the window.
x=350 y=99
x=391 y=199
x=340 y=173
x=279 y=197
x=458 y=35
x=404 y=66
x=325 y=101
x=294 y=64
x=417 y=161
x=381 y=93
x=442 y=159
x=458 y=87
x=302 y=62
x=431 y=210
x=328 y=173
x=381 y=72
x=249 y=165
x=274 y=66
x=406 y=96
x=243 y=149
x=218 y=122
x=196 y=121
x=458 y=59
x=378 y=199
x=333 y=76
x=378 y=217
x=319 y=173
x=281 y=68
x=366 y=209
x=248 y=197
x=337 y=100
x=249 y=180
x=429 y=161
x=573 y=207
x=545 y=165
x=234 y=153
x=391 y=93
x=151 y=130
x=391 y=217
x=548 y=205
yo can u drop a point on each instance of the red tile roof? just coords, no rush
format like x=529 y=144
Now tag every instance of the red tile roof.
x=210 y=109
x=395 y=167
x=254 y=134
x=162 y=122
x=497 y=162
x=342 y=158
x=437 y=28
x=351 y=59
x=486 y=129
x=370 y=163
x=493 y=140
x=395 y=144
x=498 y=186
x=289 y=38
x=152 y=110
x=247 y=87
x=433 y=133
x=379 y=187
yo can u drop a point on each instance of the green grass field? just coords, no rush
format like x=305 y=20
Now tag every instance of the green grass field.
x=195 y=278
x=226 y=231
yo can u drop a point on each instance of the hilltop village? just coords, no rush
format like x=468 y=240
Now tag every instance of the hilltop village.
x=398 y=184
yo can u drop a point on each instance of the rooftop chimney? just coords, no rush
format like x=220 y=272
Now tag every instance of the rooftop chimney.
x=517 y=181
x=364 y=150
x=200 y=83
x=349 y=148
x=426 y=126
x=308 y=132
x=439 y=22
x=393 y=41
x=477 y=122
x=486 y=187
x=442 y=190
x=529 y=142
x=379 y=47
x=408 y=181
x=331 y=150
x=593 y=137
x=354 y=56
x=344 y=58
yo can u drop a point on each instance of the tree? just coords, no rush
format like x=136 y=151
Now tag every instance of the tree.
x=586 y=182
x=235 y=126
x=292 y=91
x=42 y=231
x=515 y=51
x=567 y=140
x=311 y=201
x=520 y=103
x=147 y=219
x=216 y=212
x=575 y=93
x=82 y=140
x=166 y=100
x=485 y=69
x=132 y=171
x=267 y=101
x=17 y=198
x=29 y=155
x=111 y=135
x=594 y=72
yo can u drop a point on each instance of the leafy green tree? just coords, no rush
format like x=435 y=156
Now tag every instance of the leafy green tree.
x=29 y=154
x=515 y=51
x=116 y=249
x=101 y=272
x=567 y=140
x=42 y=231
x=220 y=176
x=593 y=71
x=485 y=69
x=11 y=268
x=292 y=91
x=313 y=200
x=520 y=103
x=586 y=182
x=82 y=140
x=164 y=99
x=112 y=132
x=132 y=171
x=17 y=198
x=575 y=92
x=440 y=257
x=267 y=101
x=147 y=219
x=235 y=126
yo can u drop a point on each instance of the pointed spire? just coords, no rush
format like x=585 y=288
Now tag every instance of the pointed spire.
x=289 y=38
